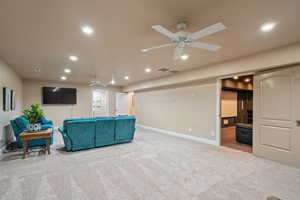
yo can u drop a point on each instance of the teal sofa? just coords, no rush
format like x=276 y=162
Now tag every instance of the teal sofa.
x=85 y=133
x=19 y=125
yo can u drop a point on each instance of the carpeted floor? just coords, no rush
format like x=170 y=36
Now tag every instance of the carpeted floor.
x=154 y=166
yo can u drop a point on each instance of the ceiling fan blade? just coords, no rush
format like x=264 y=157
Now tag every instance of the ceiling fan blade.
x=179 y=51
x=164 y=31
x=92 y=84
x=208 y=31
x=157 y=47
x=202 y=45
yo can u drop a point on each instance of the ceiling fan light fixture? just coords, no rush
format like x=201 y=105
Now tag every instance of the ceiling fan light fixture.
x=184 y=57
x=148 y=70
x=63 y=78
x=112 y=81
x=126 y=77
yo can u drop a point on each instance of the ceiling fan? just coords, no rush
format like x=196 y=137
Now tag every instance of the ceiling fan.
x=94 y=83
x=183 y=39
x=97 y=82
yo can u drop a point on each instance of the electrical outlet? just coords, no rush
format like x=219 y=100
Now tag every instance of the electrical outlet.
x=213 y=133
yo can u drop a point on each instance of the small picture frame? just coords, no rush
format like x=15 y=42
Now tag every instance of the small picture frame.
x=6 y=99
x=13 y=100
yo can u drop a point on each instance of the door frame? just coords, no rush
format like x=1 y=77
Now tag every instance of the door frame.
x=218 y=104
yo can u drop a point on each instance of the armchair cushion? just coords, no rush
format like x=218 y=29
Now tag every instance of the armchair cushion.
x=21 y=122
x=43 y=120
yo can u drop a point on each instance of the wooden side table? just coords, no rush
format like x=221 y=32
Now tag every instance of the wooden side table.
x=27 y=136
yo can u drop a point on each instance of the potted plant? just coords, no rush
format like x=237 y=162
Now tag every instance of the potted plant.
x=33 y=115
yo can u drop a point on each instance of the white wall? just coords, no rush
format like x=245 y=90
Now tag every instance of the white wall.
x=57 y=113
x=179 y=109
x=8 y=78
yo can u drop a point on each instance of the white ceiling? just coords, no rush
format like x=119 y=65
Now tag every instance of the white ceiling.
x=35 y=33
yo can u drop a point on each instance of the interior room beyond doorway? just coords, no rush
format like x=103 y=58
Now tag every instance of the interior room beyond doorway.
x=237 y=113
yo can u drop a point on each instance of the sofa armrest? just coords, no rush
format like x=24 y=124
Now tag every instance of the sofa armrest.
x=67 y=139
x=61 y=129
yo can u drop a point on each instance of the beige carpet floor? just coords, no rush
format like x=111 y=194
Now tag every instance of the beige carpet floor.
x=152 y=167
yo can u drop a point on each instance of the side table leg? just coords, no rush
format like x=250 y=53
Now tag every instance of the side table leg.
x=25 y=148
x=48 y=145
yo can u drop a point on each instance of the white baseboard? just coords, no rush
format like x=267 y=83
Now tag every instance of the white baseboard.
x=180 y=135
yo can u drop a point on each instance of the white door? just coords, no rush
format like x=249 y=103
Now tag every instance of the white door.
x=99 y=103
x=121 y=104
x=277 y=115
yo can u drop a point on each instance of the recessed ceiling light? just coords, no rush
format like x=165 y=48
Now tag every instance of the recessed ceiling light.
x=63 y=78
x=148 y=70
x=126 y=77
x=267 y=27
x=112 y=82
x=73 y=58
x=67 y=70
x=184 y=57
x=87 y=30
x=247 y=80
x=235 y=77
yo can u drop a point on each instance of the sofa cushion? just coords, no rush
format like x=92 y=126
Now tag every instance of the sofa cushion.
x=21 y=122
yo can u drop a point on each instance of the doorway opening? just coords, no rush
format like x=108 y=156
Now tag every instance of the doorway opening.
x=237 y=113
x=100 y=103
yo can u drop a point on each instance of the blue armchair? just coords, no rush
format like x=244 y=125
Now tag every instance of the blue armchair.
x=19 y=125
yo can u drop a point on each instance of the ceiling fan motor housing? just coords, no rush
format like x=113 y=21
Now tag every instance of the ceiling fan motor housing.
x=181 y=25
x=182 y=36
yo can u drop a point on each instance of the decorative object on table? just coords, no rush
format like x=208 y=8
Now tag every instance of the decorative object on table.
x=33 y=115
x=13 y=100
x=6 y=99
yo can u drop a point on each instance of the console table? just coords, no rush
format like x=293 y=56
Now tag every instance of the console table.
x=43 y=134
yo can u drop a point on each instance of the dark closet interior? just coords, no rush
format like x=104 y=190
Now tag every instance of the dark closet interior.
x=237 y=127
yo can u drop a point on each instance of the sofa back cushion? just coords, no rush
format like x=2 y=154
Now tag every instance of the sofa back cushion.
x=125 y=128
x=105 y=131
x=81 y=133
x=83 y=118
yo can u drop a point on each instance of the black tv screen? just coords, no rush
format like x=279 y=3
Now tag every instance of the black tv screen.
x=56 y=95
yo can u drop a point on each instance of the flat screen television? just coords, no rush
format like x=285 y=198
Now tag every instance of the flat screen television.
x=56 y=95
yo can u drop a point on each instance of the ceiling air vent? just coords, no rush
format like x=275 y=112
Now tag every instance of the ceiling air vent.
x=163 y=69
x=173 y=71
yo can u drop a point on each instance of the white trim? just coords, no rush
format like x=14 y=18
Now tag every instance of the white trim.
x=230 y=76
x=180 y=135
x=218 y=112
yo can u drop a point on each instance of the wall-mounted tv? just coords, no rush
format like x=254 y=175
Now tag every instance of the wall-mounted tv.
x=57 y=95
